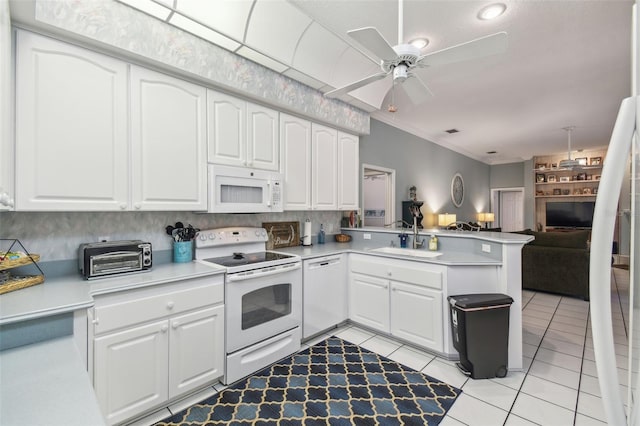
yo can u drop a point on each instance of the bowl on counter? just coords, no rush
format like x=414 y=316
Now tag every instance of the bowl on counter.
x=343 y=238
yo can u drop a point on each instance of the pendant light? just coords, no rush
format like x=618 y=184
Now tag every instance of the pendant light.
x=568 y=163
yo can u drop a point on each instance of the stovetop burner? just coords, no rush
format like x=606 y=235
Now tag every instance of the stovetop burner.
x=237 y=259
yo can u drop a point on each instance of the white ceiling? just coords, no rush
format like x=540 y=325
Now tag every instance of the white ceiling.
x=567 y=64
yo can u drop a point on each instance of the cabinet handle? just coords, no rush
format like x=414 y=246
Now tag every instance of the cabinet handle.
x=389 y=273
x=164 y=328
x=393 y=289
x=170 y=305
x=123 y=206
x=175 y=325
x=385 y=286
x=137 y=206
x=95 y=321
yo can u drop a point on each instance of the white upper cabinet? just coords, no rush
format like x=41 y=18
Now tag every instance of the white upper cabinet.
x=71 y=128
x=348 y=171
x=241 y=133
x=168 y=127
x=295 y=153
x=324 y=156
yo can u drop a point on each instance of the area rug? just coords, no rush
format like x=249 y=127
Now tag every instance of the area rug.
x=331 y=383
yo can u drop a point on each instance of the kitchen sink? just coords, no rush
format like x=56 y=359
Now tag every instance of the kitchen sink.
x=408 y=252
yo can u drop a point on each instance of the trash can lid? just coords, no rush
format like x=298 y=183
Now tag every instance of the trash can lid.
x=480 y=300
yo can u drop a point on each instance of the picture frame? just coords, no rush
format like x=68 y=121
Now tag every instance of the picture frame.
x=589 y=177
x=582 y=176
x=556 y=191
x=565 y=179
x=594 y=191
x=586 y=191
x=540 y=177
x=551 y=178
x=582 y=161
x=541 y=165
x=577 y=191
x=596 y=177
x=539 y=193
x=595 y=161
x=566 y=192
x=554 y=165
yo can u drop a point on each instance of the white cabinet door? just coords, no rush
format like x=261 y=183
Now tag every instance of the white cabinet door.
x=348 y=171
x=71 y=128
x=295 y=164
x=369 y=301
x=168 y=142
x=262 y=138
x=324 y=155
x=130 y=370
x=196 y=350
x=416 y=315
x=226 y=135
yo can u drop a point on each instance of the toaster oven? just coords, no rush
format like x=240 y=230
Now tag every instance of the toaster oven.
x=114 y=257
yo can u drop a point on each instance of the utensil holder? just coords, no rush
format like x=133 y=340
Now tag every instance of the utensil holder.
x=182 y=251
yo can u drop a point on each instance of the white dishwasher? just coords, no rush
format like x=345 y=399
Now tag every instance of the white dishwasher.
x=324 y=294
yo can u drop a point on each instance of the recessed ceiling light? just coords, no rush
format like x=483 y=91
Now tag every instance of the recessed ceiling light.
x=492 y=152
x=420 y=43
x=492 y=11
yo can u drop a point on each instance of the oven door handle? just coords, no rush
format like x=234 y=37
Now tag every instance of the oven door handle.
x=241 y=276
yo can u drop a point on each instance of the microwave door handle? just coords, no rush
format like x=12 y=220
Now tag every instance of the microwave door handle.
x=270 y=193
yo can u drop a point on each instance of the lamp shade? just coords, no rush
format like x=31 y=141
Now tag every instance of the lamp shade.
x=485 y=217
x=446 y=219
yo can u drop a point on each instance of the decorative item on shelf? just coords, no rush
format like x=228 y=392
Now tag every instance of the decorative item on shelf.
x=596 y=177
x=554 y=165
x=445 y=219
x=13 y=255
x=551 y=178
x=595 y=161
x=556 y=191
x=574 y=177
x=548 y=192
x=566 y=192
x=582 y=176
x=594 y=191
x=457 y=190
x=589 y=177
x=582 y=161
x=412 y=193
x=577 y=191
x=541 y=166
x=540 y=178
x=565 y=179
x=539 y=193
x=486 y=218
x=586 y=191
x=283 y=234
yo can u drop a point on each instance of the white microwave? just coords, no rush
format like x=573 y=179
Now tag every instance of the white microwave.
x=243 y=190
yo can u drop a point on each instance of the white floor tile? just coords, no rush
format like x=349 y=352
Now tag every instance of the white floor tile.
x=550 y=392
x=539 y=308
x=450 y=421
x=381 y=345
x=555 y=374
x=513 y=379
x=535 y=321
x=590 y=385
x=472 y=411
x=411 y=357
x=565 y=337
x=514 y=420
x=537 y=314
x=541 y=412
x=569 y=320
x=574 y=301
x=574 y=329
x=591 y=406
x=562 y=346
x=565 y=307
x=354 y=335
x=445 y=372
x=559 y=359
x=582 y=420
x=529 y=350
x=491 y=392
x=582 y=316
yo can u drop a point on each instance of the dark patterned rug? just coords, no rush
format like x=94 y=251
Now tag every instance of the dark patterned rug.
x=332 y=383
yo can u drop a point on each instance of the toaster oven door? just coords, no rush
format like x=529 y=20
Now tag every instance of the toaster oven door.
x=115 y=262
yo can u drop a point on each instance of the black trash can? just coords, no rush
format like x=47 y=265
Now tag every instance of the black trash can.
x=480 y=331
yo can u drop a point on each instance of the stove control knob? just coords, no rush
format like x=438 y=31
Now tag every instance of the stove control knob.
x=203 y=237
x=263 y=232
x=257 y=232
x=212 y=236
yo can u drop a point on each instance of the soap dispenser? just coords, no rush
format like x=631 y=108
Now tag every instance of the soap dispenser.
x=433 y=243
x=321 y=234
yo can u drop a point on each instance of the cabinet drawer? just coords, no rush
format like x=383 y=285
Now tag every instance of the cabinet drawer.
x=149 y=304
x=398 y=270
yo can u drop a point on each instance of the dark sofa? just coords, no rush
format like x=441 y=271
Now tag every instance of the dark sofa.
x=557 y=262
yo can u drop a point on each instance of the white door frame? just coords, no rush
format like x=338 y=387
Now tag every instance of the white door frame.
x=390 y=199
x=496 y=191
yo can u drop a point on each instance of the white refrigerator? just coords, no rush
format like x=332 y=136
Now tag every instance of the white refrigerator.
x=623 y=151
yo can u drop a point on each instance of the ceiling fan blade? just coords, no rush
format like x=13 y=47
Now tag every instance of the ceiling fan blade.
x=416 y=90
x=480 y=47
x=370 y=38
x=355 y=85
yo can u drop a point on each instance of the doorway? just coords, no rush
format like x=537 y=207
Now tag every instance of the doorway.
x=378 y=195
x=507 y=204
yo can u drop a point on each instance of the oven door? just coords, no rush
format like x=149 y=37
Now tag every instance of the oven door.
x=263 y=304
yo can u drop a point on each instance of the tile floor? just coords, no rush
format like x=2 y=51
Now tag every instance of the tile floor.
x=559 y=385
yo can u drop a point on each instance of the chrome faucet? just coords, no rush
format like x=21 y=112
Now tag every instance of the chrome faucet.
x=416 y=243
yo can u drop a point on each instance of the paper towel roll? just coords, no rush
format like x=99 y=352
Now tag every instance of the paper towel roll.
x=306 y=235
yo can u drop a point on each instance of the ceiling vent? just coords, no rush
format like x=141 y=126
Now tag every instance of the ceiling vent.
x=452 y=131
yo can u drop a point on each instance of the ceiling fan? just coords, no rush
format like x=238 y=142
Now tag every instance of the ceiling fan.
x=568 y=163
x=400 y=60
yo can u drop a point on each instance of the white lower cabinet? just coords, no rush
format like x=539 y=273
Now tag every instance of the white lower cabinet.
x=153 y=345
x=402 y=298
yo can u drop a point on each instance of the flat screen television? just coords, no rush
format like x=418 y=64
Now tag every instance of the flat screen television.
x=570 y=214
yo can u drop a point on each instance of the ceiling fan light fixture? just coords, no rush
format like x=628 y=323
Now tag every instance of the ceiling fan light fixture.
x=492 y=11
x=420 y=43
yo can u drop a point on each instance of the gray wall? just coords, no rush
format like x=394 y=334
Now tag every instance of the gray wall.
x=507 y=175
x=429 y=167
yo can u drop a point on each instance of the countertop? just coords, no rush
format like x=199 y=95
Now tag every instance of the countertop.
x=46 y=384
x=68 y=294
x=496 y=237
